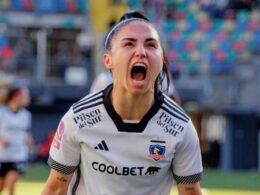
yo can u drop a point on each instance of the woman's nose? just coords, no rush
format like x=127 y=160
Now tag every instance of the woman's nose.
x=140 y=51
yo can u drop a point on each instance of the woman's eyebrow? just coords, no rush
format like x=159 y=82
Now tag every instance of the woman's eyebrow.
x=134 y=39
x=129 y=39
x=151 y=39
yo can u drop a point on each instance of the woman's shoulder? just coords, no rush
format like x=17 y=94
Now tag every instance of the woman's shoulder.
x=174 y=109
x=89 y=101
x=3 y=108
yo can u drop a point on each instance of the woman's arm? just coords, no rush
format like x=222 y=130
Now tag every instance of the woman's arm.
x=189 y=189
x=56 y=184
x=4 y=142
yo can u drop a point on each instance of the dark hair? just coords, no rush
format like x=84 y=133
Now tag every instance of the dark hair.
x=133 y=15
x=13 y=89
x=165 y=73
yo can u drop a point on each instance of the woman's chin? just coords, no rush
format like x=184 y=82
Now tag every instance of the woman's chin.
x=139 y=87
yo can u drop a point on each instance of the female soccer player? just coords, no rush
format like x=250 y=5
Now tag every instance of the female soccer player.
x=15 y=137
x=129 y=138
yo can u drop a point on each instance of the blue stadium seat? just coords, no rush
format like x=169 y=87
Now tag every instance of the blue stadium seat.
x=242 y=20
x=177 y=45
x=243 y=16
x=169 y=25
x=183 y=55
x=3 y=42
x=254 y=44
x=60 y=5
x=192 y=25
x=82 y=5
x=231 y=56
x=222 y=67
x=193 y=67
x=217 y=25
x=45 y=6
x=17 y=4
x=134 y=4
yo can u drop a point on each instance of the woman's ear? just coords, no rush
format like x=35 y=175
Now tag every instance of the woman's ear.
x=107 y=61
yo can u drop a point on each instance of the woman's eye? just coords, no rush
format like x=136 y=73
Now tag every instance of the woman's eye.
x=153 y=45
x=129 y=44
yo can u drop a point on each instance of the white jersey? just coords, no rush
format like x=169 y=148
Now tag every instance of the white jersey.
x=14 y=127
x=114 y=157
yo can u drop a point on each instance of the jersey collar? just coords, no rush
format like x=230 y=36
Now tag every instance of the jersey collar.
x=130 y=127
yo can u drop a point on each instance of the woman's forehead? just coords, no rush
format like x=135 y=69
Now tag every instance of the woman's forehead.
x=138 y=28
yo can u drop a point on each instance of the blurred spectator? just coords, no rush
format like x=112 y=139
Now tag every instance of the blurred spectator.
x=3 y=92
x=15 y=136
x=5 y=81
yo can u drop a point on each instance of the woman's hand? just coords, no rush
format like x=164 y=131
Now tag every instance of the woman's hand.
x=29 y=140
x=4 y=142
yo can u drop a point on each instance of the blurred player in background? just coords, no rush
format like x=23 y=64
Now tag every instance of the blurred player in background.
x=15 y=136
x=128 y=138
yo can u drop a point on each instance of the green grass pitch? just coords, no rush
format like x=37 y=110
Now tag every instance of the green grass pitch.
x=34 y=188
x=214 y=182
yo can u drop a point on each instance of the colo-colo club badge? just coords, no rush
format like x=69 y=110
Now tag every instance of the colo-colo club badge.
x=157 y=152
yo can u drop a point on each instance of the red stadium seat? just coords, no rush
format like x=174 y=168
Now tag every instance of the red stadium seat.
x=190 y=45
x=27 y=5
x=239 y=45
x=71 y=6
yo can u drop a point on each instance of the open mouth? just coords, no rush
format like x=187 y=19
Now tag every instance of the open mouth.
x=138 y=72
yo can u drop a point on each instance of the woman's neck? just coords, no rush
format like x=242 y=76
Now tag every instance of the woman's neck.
x=129 y=106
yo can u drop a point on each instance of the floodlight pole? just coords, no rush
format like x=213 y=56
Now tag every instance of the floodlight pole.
x=41 y=56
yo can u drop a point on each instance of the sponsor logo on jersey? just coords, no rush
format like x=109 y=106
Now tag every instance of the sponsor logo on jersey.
x=88 y=119
x=124 y=171
x=102 y=146
x=169 y=126
x=152 y=170
x=156 y=151
x=58 y=136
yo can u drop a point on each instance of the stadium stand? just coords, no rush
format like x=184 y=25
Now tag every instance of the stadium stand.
x=200 y=42
x=35 y=35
